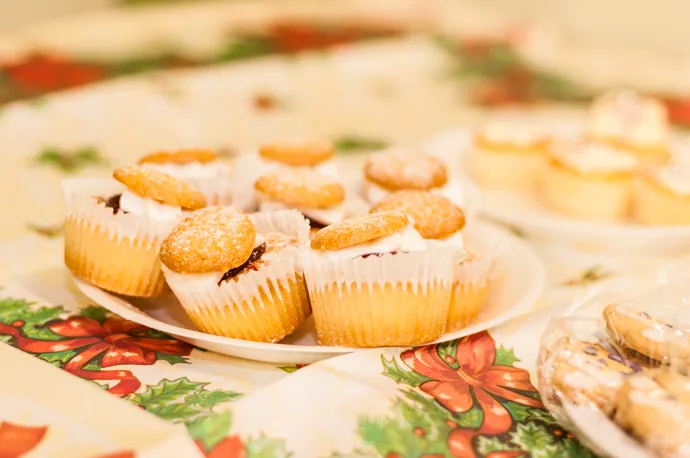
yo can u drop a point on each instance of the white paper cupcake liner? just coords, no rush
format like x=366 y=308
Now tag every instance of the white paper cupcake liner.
x=81 y=205
x=484 y=248
x=280 y=268
x=418 y=269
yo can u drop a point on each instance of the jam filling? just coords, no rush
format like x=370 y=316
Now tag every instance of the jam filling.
x=114 y=203
x=378 y=255
x=248 y=264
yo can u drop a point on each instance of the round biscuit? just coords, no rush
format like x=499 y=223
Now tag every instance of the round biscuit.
x=160 y=187
x=185 y=156
x=434 y=215
x=645 y=335
x=214 y=239
x=396 y=171
x=358 y=229
x=301 y=188
x=296 y=153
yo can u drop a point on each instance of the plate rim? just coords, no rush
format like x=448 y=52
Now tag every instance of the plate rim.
x=519 y=307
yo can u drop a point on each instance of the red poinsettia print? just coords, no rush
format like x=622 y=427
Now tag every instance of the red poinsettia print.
x=476 y=378
x=43 y=73
x=117 y=341
x=678 y=110
x=16 y=440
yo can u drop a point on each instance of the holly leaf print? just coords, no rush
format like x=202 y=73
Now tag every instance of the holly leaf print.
x=590 y=275
x=166 y=391
x=58 y=359
x=172 y=359
x=393 y=371
x=69 y=161
x=265 y=447
x=47 y=231
x=447 y=352
x=505 y=357
x=96 y=313
x=211 y=429
x=12 y=310
x=532 y=437
x=351 y=143
x=212 y=398
x=488 y=444
x=574 y=449
x=289 y=369
x=174 y=412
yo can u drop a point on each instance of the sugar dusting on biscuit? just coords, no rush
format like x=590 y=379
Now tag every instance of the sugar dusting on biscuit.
x=358 y=229
x=301 y=188
x=186 y=156
x=214 y=239
x=160 y=187
x=395 y=170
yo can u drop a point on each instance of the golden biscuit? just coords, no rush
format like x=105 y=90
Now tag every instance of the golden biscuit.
x=396 y=171
x=434 y=215
x=645 y=335
x=185 y=156
x=358 y=229
x=296 y=153
x=160 y=186
x=301 y=188
x=215 y=239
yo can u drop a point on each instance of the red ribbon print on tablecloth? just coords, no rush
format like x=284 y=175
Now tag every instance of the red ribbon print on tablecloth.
x=16 y=440
x=115 y=340
x=476 y=378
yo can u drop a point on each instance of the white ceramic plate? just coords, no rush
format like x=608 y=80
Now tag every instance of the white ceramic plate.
x=520 y=280
x=524 y=211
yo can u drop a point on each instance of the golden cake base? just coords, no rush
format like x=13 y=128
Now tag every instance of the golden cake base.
x=465 y=303
x=374 y=315
x=596 y=197
x=276 y=313
x=656 y=205
x=117 y=264
x=509 y=170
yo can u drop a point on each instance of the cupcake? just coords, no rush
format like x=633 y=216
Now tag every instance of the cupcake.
x=508 y=154
x=374 y=281
x=632 y=123
x=588 y=180
x=113 y=233
x=239 y=275
x=662 y=196
x=200 y=168
x=437 y=218
x=393 y=170
x=296 y=154
x=320 y=198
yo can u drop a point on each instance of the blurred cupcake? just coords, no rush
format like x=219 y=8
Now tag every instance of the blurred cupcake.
x=635 y=124
x=296 y=154
x=201 y=168
x=437 y=218
x=113 y=234
x=508 y=153
x=662 y=196
x=588 y=180
x=239 y=275
x=374 y=281
x=396 y=170
x=321 y=199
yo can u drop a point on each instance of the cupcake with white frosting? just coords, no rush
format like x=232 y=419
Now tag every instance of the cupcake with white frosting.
x=508 y=153
x=588 y=180
x=200 y=168
x=320 y=198
x=288 y=154
x=395 y=170
x=113 y=233
x=374 y=281
x=239 y=275
x=633 y=123
x=662 y=196
x=437 y=218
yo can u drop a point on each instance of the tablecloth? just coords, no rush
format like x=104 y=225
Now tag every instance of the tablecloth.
x=80 y=381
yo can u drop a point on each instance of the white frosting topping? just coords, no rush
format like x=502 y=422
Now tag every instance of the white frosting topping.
x=407 y=239
x=192 y=170
x=149 y=208
x=456 y=239
x=325 y=216
x=626 y=115
x=513 y=131
x=453 y=190
x=676 y=177
x=326 y=168
x=589 y=157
